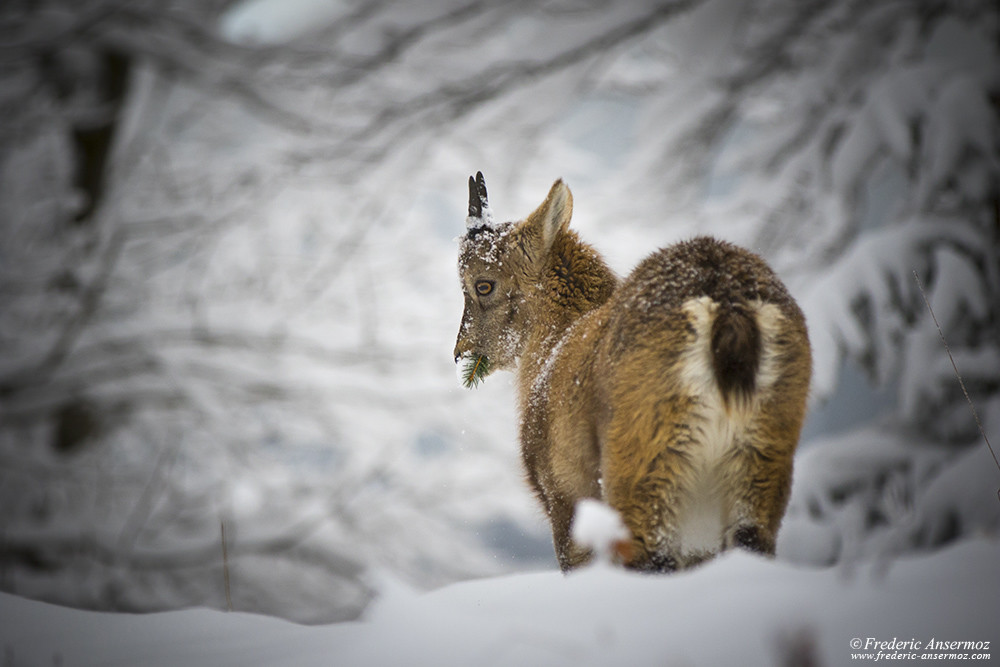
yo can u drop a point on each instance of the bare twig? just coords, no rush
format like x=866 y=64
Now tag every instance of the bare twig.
x=225 y=566
x=972 y=407
x=90 y=300
x=144 y=506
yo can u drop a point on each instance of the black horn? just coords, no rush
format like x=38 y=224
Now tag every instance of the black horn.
x=477 y=195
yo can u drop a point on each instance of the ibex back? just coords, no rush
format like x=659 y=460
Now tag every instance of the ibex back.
x=675 y=395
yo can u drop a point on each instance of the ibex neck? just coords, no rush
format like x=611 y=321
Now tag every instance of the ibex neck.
x=574 y=282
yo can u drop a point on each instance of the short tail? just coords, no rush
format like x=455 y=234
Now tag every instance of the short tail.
x=736 y=352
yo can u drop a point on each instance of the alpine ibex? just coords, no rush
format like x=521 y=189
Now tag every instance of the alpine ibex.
x=675 y=395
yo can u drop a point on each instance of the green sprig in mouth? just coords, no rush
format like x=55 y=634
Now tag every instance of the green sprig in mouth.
x=475 y=368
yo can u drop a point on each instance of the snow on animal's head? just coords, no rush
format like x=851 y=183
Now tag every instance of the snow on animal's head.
x=499 y=264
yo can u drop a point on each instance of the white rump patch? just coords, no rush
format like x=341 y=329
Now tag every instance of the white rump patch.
x=696 y=365
x=703 y=513
x=770 y=321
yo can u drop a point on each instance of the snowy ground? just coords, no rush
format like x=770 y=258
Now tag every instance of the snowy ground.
x=740 y=609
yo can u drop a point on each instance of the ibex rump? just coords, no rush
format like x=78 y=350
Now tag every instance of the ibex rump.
x=675 y=395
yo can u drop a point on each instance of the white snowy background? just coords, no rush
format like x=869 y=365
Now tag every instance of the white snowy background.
x=228 y=297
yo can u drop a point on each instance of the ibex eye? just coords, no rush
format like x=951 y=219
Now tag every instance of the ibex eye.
x=484 y=287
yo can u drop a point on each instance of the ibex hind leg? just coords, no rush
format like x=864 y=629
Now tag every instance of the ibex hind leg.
x=761 y=498
x=647 y=467
x=560 y=510
x=763 y=474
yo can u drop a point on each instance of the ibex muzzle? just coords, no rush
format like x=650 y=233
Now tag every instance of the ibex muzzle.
x=675 y=395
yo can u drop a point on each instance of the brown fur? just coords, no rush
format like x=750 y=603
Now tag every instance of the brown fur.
x=676 y=395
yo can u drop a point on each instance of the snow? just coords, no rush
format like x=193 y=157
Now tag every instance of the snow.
x=276 y=21
x=599 y=527
x=876 y=271
x=739 y=609
x=483 y=220
x=875 y=492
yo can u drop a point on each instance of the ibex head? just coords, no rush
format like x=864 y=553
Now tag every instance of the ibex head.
x=499 y=265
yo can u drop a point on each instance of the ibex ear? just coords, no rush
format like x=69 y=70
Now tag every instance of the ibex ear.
x=551 y=217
